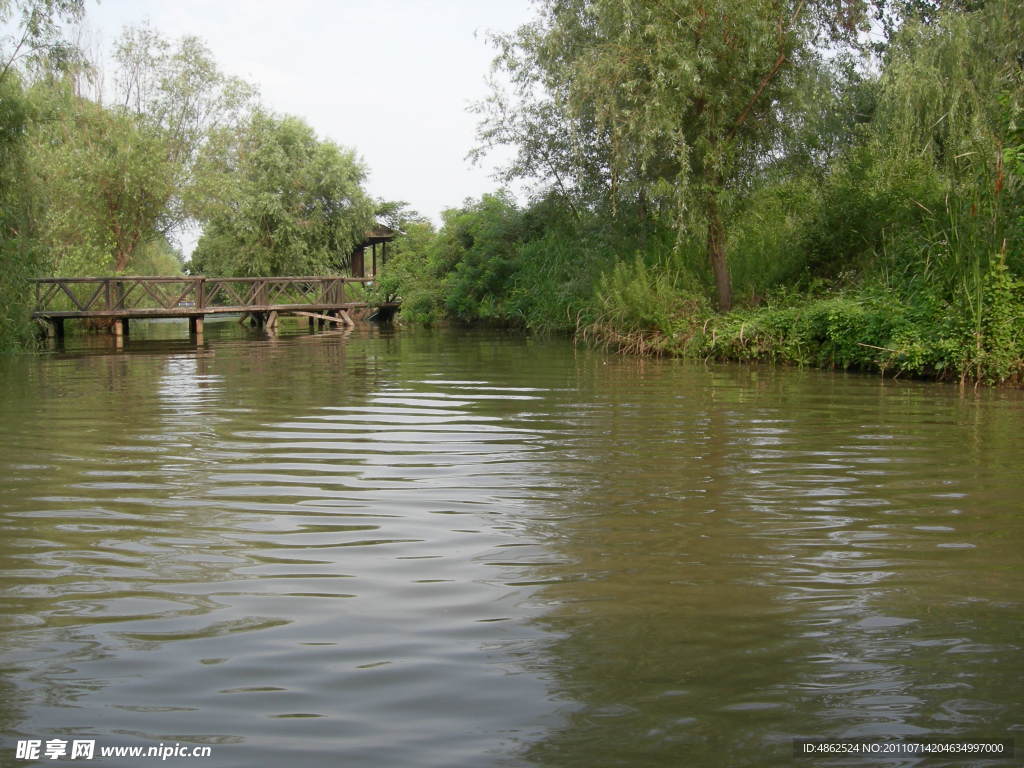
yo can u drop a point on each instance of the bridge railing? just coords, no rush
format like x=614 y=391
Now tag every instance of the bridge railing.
x=170 y=296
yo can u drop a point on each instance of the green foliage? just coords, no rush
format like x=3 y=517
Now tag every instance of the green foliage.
x=108 y=181
x=495 y=262
x=552 y=286
x=941 y=119
x=19 y=258
x=681 y=101
x=36 y=33
x=157 y=257
x=998 y=351
x=843 y=330
x=644 y=309
x=635 y=297
x=479 y=243
x=276 y=200
x=861 y=209
x=867 y=328
x=410 y=276
x=177 y=92
x=868 y=217
x=106 y=177
x=770 y=233
x=395 y=214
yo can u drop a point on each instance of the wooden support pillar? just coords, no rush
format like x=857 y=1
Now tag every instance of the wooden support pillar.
x=55 y=328
x=312 y=323
x=256 y=317
x=373 y=261
x=118 y=329
x=195 y=326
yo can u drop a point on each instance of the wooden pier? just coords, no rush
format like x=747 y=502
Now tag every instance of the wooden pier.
x=121 y=299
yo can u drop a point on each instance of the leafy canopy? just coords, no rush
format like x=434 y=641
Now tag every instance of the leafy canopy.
x=673 y=103
x=277 y=200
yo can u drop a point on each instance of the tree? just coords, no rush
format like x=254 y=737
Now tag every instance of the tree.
x=107 y=177
x=949 y=113
x=683 y=99
x=395 y=214
x=570 y=155
x=114 y=176
x=276 y=200
x=36 y=32
x=179 y=93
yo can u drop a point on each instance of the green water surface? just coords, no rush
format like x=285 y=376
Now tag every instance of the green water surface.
x=399 y=548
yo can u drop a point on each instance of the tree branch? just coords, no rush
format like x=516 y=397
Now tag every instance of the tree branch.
x=757 y=95
x=766 y=80
x=14 y=55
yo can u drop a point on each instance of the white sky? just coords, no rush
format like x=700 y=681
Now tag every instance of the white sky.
x=390 y=78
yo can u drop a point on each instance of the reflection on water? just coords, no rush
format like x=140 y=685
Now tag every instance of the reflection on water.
x=788 y=553
x=470 y=549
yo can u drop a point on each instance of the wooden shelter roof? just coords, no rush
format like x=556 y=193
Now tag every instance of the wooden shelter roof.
x=379 y=234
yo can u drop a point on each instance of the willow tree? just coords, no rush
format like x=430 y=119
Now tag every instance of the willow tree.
x=277 y=200
x=177 y=91
x=111 y=176
x=29 y=29
x=951 y=108
x=684 y=97
x=105 y=177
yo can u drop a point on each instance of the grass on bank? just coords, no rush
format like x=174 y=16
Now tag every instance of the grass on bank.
x=978 y=337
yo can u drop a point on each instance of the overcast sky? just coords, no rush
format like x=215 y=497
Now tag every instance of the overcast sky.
x=390 y=78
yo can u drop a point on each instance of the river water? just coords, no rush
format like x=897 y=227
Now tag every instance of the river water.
x=472 y=549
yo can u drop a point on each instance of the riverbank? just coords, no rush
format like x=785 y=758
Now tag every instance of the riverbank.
x=867 y=328
x=494 y=263
x=876 y=225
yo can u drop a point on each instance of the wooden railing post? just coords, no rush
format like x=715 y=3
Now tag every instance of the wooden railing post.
x=201 y=293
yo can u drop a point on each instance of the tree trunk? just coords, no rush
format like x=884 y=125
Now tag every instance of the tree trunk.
x=716 y=254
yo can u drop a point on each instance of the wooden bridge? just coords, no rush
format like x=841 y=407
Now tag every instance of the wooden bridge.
x=121 y=299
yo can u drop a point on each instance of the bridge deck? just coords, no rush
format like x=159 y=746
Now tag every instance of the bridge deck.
x=141 y=313
x=124 y=298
